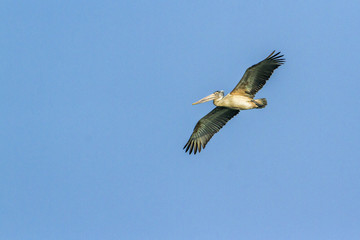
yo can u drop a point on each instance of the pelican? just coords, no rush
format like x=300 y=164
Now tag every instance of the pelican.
x=240 y=98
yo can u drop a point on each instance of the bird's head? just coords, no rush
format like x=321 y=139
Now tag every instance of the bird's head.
x=214 y=96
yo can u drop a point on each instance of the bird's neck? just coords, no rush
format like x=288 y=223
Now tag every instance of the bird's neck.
x=217 y=101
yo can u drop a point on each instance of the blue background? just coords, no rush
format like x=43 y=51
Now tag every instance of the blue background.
x=95 y=104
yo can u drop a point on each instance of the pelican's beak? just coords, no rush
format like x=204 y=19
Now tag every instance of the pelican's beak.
x=206 y=99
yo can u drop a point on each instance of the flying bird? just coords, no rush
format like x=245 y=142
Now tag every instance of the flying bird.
x=240 y=98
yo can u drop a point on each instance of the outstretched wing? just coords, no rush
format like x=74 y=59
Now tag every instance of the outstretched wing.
x=256 y=76
x=208 y=126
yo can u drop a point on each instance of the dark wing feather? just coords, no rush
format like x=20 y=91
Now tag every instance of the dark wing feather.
x=208 y=126
x=256 y=76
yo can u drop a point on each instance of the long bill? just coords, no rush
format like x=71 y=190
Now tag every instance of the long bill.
x=206 y=99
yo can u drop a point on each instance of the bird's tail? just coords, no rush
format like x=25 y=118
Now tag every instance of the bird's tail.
x=261 y=103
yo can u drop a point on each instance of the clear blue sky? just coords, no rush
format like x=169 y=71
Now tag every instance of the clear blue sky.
x=95 y=104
